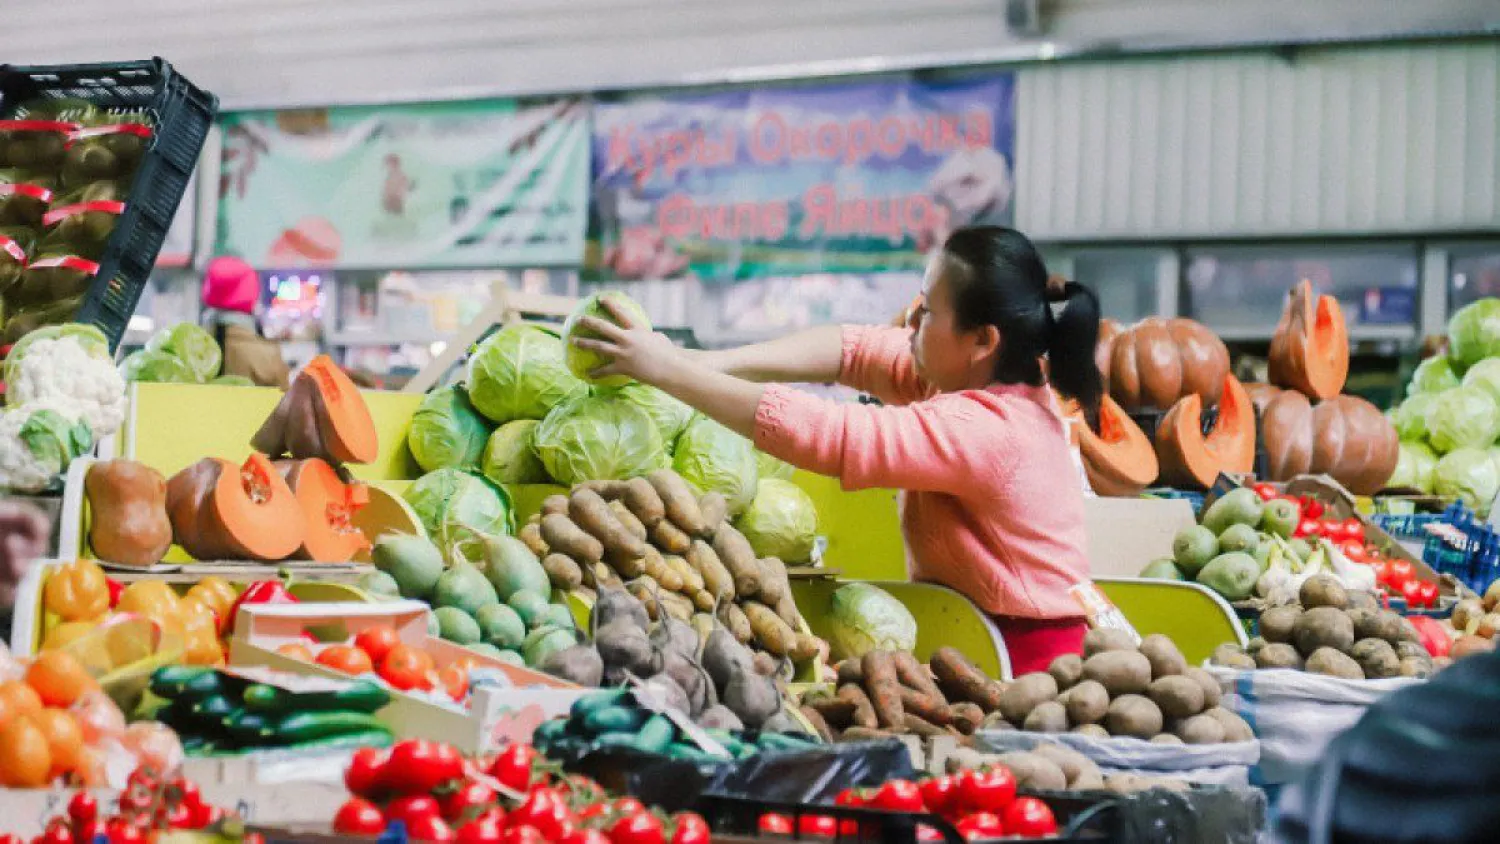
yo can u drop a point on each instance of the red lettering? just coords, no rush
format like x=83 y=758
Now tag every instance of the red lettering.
x=890 y=137
x=887 y=224
x=775 y=219
x=674 y=216
x=948 y=136
x=621 y=154
x=861 y=141
x=768 y=139
x=829 y=140
x=713 y=222
x=853 y=214
x=981 y=129
x=819 y=206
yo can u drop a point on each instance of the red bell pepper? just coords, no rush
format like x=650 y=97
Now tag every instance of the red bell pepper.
x=116 y=588
x=260 y=592
x=1432 y=635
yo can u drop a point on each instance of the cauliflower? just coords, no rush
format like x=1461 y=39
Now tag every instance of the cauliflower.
x=37 y=442
x=73 y=376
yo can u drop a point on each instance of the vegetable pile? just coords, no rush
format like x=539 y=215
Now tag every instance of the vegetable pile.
x=889 y=692
x=181 y=354
x=981 y=804
x=1046 y=765
x=377 y=652
x=1335 y=631
x=100 y=621
x=152 y=804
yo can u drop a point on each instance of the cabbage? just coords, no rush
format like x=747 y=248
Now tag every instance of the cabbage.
x=865 y=618
x=446 y=431
x=715 y=459
x=1414 y=467
x=451 y=503
x=670 y=415
x=593 y=438
x=773 y=467
x=158 y=367
x=583 y=361
x=1474 y=332
x=1485 y=375
x=1468 y=474
x=519 y=373
x=509 y=457
x=192 y=345
x=1463 y=417
x=1410 y=417
x=781 y=522
x=1433 y=375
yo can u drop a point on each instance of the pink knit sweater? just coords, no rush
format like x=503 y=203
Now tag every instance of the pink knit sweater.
x=992 y=505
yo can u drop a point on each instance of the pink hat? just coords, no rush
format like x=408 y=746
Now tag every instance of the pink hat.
x=231 y=285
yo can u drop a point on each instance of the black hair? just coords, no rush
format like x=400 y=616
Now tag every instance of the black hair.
x=1005 y=284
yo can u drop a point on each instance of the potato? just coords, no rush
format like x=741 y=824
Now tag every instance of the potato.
x=1133 y=715
x=1212 y=691
x=1376 y=658
x=1089 y=780
x=1403 y=630
x=1235 y=728
x=1492 y=596
x=563 y=535
x=1278 y=655
x=1047 y=717
x=1363 y=599
x=1323 y=627
x=1230 y=655
x=1165 y=738
x=1126 y=783
x=1334 y=663
x=1277 y=623
x=1465 y=611
x=1163 y=655
x=1200 y=729
x=1176 y=696
x=629 y=520
x=1086 y=703
x=1066 y=670
x=996 y=721
x=1094 y=730
x=1323 y=590
x=1025 y=694
x=1416 y=666
x=1253 y=646
x=1073 y=763
x=1120 y=672
x=1102 y=639
x=1034 y=771
x=1487 y=626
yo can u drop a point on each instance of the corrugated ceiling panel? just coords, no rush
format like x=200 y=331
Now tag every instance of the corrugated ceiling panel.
x=1334 y=141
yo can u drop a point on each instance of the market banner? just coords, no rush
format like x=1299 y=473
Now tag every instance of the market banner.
x=859 y=177
x=477 y=184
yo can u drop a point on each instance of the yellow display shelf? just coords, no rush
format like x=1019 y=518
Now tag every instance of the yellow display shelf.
x=1193 y=616
x=863 y=529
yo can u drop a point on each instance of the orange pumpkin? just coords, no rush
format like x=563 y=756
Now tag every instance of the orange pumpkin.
x=1346 y=438
x=1157 y=361
x=1104 y=347
x=1310 y=349
x=328 y=506
x=1190 y=458
x=1118 y=459
x=220 y=511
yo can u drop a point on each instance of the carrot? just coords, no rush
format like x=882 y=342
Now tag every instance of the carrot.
x=835 y=711
x=864 y=710
x=554 y=504
x=863 y=734
x=884 y=688
x=739 y=558
x=561 y=534
x=850 y=671
x=774 y=585
x=963 y=680
x=914 y=675
x=771 y=632
x=916 y=725
x=677 y=499
x=817 y=722
x=967 y=716
x=629 y=520
x=592 y=513
x=925 y=706
x=716 y=578
x=643 y=500
x=715 y=510
x=670 y=538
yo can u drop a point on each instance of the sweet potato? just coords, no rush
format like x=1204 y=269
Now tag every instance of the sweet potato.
x=653 y=564
x=555 y=504
x=771 y=632
x=592 y=514
x=675 y=605
x=704 y=601
x=531 y=536
x=608 y=490
x=774 y=585
x=962 y=680
x=820 y=726
x=739 y=558
x=884 y=687
x=714 y=509
x=738 y=624
x=716 y=578
x=692 y=581
x=787 y=609
x=677 y=499
x=864 y=710
x=629 y=520
x=670 y=538
x=563 y=571
x=851 y=671
x=806 y=646
x=563 y=536
x=645 y=590
x=914 y=675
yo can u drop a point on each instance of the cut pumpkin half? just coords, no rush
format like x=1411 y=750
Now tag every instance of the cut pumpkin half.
x=1119 y=459
x=1191 y=459
x=322 y=416
x=221 y=511
x=1310 y=349
x=328 y=505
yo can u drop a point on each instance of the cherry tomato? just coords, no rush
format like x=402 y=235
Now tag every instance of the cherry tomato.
x=376 y=642
x=849 y=797
x=1352 y=528
x=927 y=833
x=122 y=831
x=938 y=794
x=523 y=834
x=898 y=796
x=1354 y=550
x=454 y=679
x=586 y=836
x=406 y=668
x=637 y=828
x=1312 y=508
x=817 y=826
x=485 y=829
x=1399 y=573
x=430 y=828
x=359 y=817
x=774 y=824
x=1308 y=527
x=207 y=816
x=468 y=801
x=362 y=777
x=986 y=791
x=1029 y=817
x=513 y=766
x=1265 y=491
x=418 y=766
x=84 y=807
x=180 y=816
x=412 y=807
x=546 y=810
x=58 y=832
x=345 y=658
x=691 y=829
x=980 y=826
x=1411 y=590
x=84 y=832
x=1429 y=593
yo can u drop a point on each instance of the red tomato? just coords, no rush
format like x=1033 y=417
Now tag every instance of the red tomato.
x=817 y=826
x=1265 y=491
x=980 y=826
x=84 y=807
x=418 y=766
x=1312 y=508
x=898 y=796
x=406 y=668
x=513 y=766
x=546 y=810
x=485 y=829
x=363 y=775
x=986 y=791
x=1429 y=593
x=58 y=832
x=1308 y=527
x=586 y=836
x=1029 y=817
x=122 y=831
x=345 y=658
x=1352 y=528
x=938 y=794
x=773 y=824
x=87 y=831
x=691 y=829
x=1354 y=550
x=1432 y=635
x=927 y=833
x=411 y=807
x=522 y=835
x=430 y=828
x=1411 y=590
x=627 y=806
x=1382 y=569
x=376 y=642
x=467 y=802
x=454 y=678
x=359 y=817
x=638 y=828
x=1400 y=572
x=849 y=797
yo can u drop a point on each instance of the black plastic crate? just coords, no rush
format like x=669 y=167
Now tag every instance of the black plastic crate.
x=181 y=113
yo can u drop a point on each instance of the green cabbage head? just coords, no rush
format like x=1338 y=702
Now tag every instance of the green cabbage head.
x=715 y=459
x=773 y=467
x=781 y=522
x=864 y=618
x=1414 y=467
x=454 y=504
x=519 y=372
x=1410 y=417
x=1468 y=474
x=157 y=367
x=594 y=438
x=1463 y=417
x=510 y=458
x=1486 y=376
x=446 y=431
x=191 y=344
x=583 y=361
x=670 y=415
x=1474 y=332
x=1433 y=375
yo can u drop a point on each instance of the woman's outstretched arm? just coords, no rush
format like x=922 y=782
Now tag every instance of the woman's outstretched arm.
x=807 y=357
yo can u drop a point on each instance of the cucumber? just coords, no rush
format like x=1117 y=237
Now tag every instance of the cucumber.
x=609 y=740
x=781 y=741
x=302 y=727
x=655 y=734
x=358 y=738
x=548 y=732
x=597 y=700
x=170 y=681
x=360 y=696
x=214 y=708
x=249 y=727
x=614 y=719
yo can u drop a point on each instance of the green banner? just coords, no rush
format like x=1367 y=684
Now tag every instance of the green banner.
x=479 y=184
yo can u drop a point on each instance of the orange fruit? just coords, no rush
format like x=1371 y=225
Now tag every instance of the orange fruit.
x=59 y=678
x=17 y=698
x=296 y=650
x=25 y=760
x=64 y=738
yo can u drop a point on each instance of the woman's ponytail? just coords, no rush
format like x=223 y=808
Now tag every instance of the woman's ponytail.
x=1072 y=334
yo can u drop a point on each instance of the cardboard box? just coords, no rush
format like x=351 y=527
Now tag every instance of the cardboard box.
x=1124 y=534
x=506 y=704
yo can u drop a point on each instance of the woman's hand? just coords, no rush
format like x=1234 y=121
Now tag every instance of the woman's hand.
x=23 y=538
x=634 y=350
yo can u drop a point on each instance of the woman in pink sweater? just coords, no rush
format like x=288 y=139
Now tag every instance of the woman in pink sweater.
x=993 y=506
